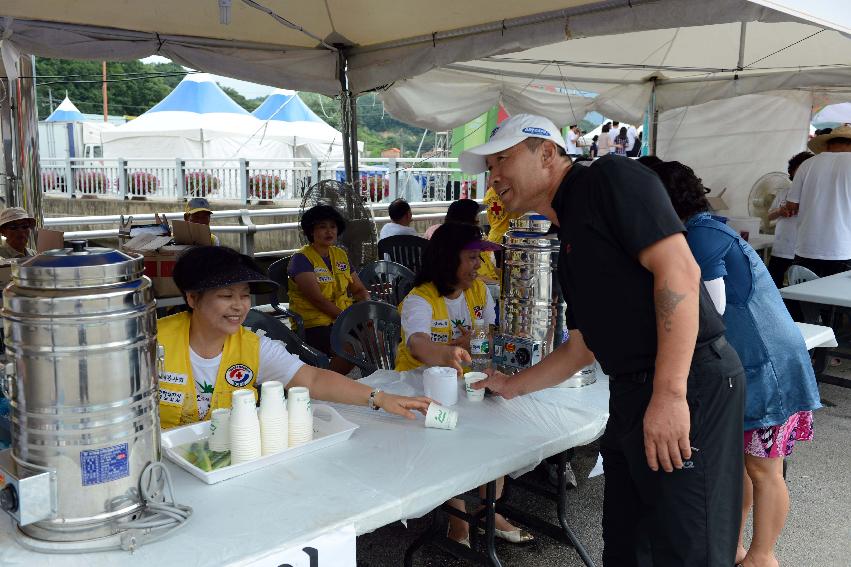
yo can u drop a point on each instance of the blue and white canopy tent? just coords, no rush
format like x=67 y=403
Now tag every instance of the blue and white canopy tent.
x=196 y=120
x=66 y=112
x=287 y=116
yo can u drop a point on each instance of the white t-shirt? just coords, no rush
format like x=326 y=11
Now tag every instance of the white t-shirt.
x=417 y=315
x=822 y=189
x=631 y=135
x=613 y=133
x=785 y=230
x=276 y=363
x=395 y=229
x=571 y=142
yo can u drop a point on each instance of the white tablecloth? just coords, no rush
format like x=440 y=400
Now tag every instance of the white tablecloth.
x=390 y=469
x=831 y=290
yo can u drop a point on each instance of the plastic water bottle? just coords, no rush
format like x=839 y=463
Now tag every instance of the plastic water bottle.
x=480 y=350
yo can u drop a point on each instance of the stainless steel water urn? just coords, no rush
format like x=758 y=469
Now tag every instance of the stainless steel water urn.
x=81 y=344
x=529 y=300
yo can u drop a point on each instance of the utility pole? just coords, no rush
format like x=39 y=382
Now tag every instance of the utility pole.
x=105 y=101
x=50 y=98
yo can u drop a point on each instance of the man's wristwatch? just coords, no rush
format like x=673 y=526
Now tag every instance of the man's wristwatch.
x=372 y=404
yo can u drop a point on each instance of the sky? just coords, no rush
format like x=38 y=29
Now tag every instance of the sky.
x=246 y=89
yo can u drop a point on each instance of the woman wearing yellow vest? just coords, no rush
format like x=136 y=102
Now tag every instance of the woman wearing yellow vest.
x=437 y=319
x=498 y=217
x=466 y=211
x=209 y=354
x=321 y=282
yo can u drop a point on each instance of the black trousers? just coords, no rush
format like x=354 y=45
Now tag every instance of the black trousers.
x=689 y=517
x=824 y=268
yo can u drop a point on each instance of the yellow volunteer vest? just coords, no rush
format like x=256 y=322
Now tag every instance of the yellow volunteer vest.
x=498 y=217
x=237 y=371
x=488 y=268
x=334 y=285
x=441 y=327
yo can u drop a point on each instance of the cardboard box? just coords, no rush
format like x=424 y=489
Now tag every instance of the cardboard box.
x=159 y=259
x=49 y=240
x=192 y=233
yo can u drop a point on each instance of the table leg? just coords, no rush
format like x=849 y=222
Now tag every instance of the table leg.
x=562 y=532
x=490 y=524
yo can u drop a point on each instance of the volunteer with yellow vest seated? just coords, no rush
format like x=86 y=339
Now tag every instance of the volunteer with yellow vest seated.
x=321 y=282
x=467 y=211
x=498 y=217
x=209 y=354
x=437 y=317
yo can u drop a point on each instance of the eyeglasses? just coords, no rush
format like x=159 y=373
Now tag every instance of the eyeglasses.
x=15 y=227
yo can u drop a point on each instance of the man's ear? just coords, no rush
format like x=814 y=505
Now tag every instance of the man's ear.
x=548 y=152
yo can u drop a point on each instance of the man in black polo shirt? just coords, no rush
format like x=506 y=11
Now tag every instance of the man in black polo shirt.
x=672 y=450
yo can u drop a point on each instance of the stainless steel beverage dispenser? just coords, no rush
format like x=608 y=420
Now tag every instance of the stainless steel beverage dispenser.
x=80 y=331
x=529 y=303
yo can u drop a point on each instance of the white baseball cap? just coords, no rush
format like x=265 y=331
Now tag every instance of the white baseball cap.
x=510 y=133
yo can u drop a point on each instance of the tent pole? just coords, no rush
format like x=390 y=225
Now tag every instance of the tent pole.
x=344 y=111
x=653 y=114
x=19 y=125
x=743 y=32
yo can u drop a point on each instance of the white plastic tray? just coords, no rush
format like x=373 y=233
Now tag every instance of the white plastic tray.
x=329 y=428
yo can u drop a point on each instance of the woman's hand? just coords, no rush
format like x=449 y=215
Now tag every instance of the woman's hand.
x=456 y=357
x=401 y=405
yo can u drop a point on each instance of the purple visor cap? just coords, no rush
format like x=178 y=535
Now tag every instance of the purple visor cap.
x=483 y=245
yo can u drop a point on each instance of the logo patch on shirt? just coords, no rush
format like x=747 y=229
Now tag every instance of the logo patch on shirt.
x=342 y=266
x=174 y=378
x=239 y=375
x=478 y=311
x=533 y=131
x=172 y=398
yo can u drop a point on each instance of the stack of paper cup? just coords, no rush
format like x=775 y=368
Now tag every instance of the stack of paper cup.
x=440 y=417
x=220 y=430
x=300 y=416
x=244 y=428
x=471 y=378
x=273 y=418
x=441 y=384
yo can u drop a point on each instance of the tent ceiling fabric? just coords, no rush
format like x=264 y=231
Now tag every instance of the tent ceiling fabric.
x=691 y=65
x=389 y=39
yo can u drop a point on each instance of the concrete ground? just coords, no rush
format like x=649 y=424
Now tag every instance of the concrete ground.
x=817 y=533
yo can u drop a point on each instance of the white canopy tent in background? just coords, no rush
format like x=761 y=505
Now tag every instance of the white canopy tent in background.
x=695 y=48
x=67 y=111
x=196 y=120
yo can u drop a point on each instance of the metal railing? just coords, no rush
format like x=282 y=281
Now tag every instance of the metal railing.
x=249 y=180
x=246 y=228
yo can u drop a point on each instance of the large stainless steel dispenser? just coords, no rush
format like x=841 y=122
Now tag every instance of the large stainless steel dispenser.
x=529 y=303
x=81 y=344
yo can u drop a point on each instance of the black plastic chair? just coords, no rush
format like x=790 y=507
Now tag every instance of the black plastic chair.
x=388 y=282
x=275 y=329
x=403 y=249
x=278 y=274
x=367 y=335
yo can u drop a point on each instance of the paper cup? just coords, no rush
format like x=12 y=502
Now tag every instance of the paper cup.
x=220 y=430
x=272 y=399
x=245 y=442
x=441 y=385
x=471 y=378
x=243 y=400
x=274 y=434
x=440 y=417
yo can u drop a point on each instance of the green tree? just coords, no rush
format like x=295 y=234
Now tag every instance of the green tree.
x=249 y=104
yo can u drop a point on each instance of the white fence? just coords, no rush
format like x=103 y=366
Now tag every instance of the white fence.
x=246 y=180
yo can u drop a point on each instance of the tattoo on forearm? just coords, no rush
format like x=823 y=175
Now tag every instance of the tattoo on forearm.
x=666 y=303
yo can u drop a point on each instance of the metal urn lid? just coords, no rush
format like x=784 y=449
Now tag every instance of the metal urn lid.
x=78 y=267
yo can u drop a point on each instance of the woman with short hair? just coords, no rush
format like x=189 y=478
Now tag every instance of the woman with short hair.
x=321 y=282
x=781 y=386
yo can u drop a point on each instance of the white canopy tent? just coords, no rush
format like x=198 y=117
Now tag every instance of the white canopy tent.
x=196 y=120
x=356 y=45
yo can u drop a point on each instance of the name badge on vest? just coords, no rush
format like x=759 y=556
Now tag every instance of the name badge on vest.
x=440 y=323
x=174 y=378
x=325 y=279
x=239 y=375
x=172 y=398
